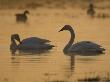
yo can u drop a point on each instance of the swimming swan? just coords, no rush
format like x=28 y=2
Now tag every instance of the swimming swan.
x=83 y=47
x=22 y=17
x=32 y=44
x=91 y=11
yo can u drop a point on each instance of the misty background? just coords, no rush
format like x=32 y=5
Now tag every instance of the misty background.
x=33 y=4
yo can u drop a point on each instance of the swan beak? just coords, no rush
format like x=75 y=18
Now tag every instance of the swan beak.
x=18 y=39
x=60 y=30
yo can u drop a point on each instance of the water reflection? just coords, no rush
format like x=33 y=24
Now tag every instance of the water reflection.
x=100 y=77
x=72 y=60
x=20 y=61
x=83 y=58
x=15 y=63
x=35 y=61
x=72 y=66
x=15 y=59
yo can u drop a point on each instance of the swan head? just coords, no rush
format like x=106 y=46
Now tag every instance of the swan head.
x=91 y=5
x=66 y=27
x=15 y=37
x=26 y=12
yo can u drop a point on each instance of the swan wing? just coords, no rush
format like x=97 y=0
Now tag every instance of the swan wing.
x=39 y=47
x=34 y=40
x=34 y=43
x=86 y=46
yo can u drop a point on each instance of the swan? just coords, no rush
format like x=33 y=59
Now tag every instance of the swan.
x=91 y=10
x=83 y=47
x=31 y=44
x=22 y=17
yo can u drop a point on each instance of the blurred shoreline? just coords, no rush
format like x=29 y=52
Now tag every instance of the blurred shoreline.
x=62 y=4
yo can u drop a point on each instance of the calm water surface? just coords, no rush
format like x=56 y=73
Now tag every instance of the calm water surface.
x=55 y=65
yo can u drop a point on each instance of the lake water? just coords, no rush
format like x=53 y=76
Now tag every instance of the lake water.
x=54 y=66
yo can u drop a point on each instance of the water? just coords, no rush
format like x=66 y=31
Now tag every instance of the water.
x=55 y=65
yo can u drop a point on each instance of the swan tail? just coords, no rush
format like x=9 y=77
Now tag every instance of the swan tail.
x=102 y=49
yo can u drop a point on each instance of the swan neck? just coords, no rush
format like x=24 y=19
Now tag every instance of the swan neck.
x=69 y=44
x=13 y=41
x=24 y=13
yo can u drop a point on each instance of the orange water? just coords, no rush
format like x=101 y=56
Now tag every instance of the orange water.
x=55 y=65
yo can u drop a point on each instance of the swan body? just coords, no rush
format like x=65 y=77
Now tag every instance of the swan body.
x=32 y=44
x=82 y=47
x=22 y=17
x=86 y=46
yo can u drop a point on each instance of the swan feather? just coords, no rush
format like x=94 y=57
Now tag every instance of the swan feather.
x=34 y=40
x=35 y=43
x=86 y=46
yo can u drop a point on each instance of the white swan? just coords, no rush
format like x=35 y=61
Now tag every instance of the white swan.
x=32 y=44
x=82 y=47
